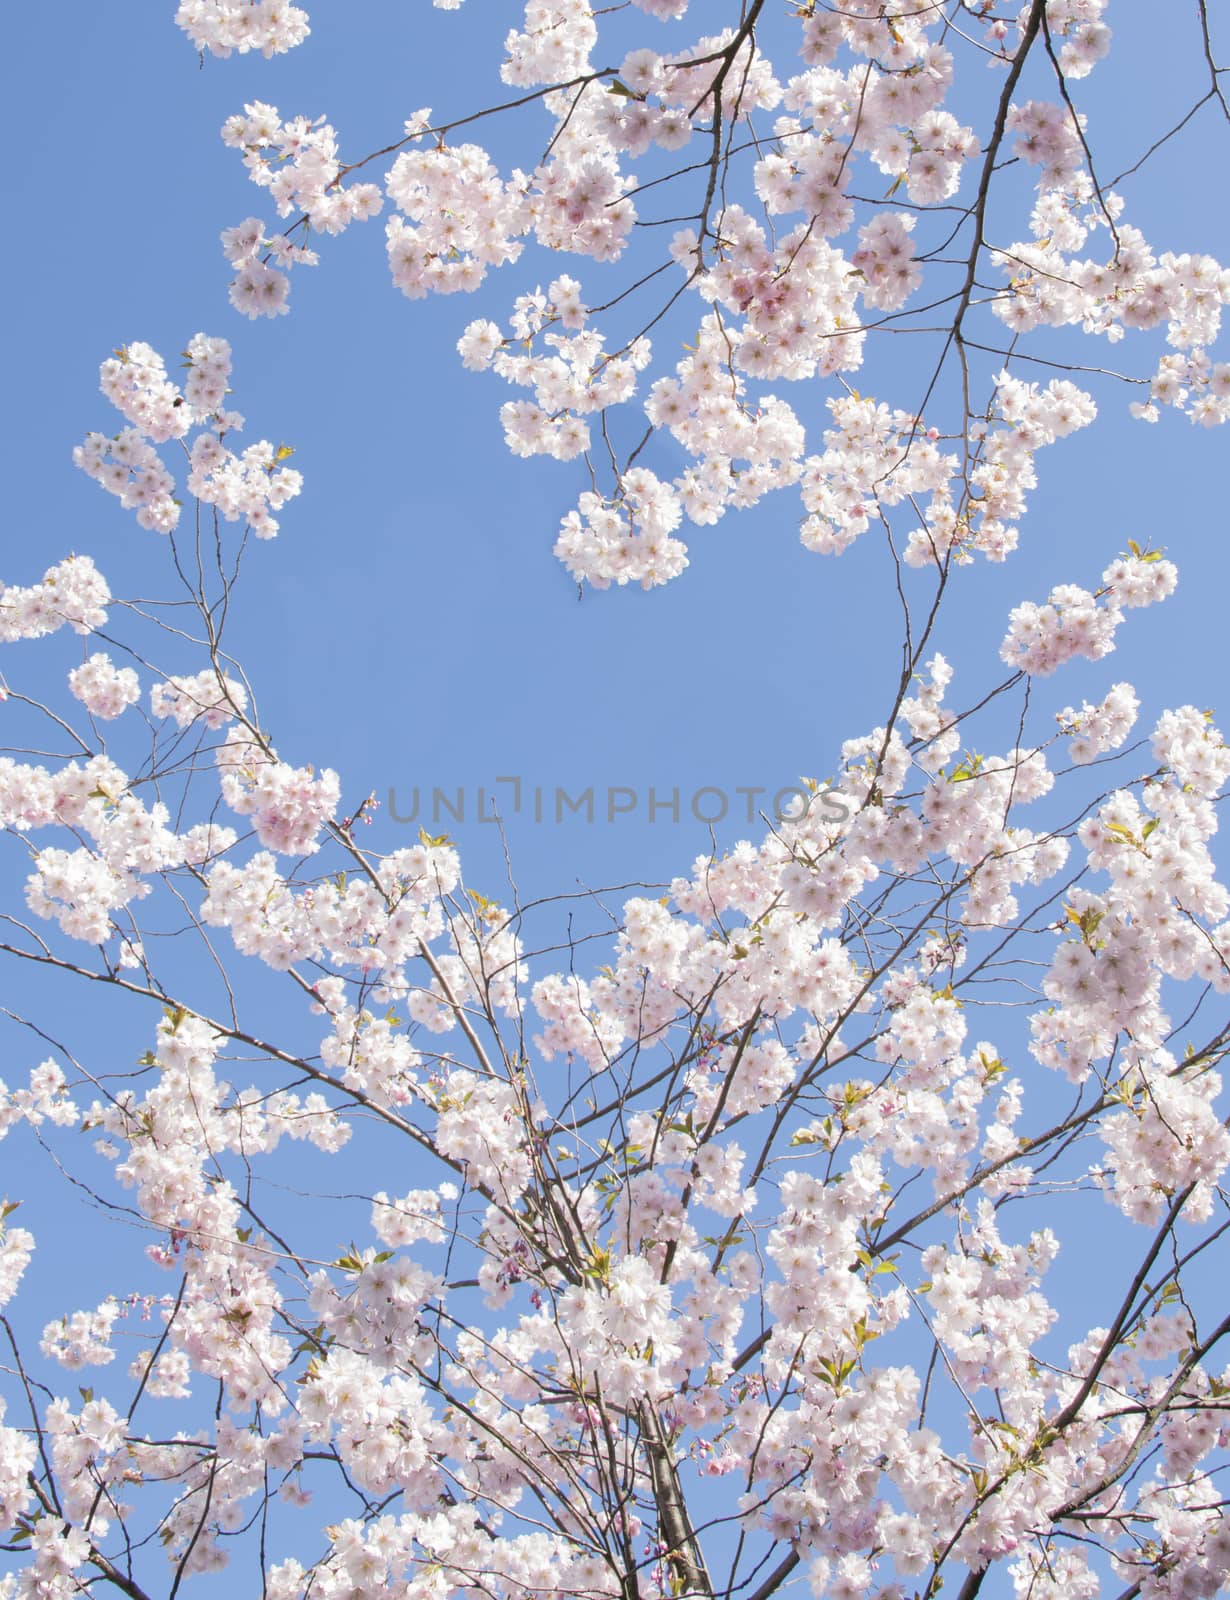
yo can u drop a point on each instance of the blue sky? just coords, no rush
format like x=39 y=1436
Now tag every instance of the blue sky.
x=410 y=626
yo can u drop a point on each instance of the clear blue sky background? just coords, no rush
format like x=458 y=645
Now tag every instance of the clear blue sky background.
x=410 y=625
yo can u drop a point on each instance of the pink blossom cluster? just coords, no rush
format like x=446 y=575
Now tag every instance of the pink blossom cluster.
x=866 y=466
x=1191 y=383
x=372 y=1055
x=288 y=805
x=1095 y=729
x=627 y=537
x=165 y=1139
x=935 y=731
x=18 y=1452
x=72 y=591
x=1074 y=622
x=81 y=888
x=457 y=218
x=885 y=258
x=1028 y=418
x=895 y=115
x=129 y=467
x=45 y=1100
x=413 y=1216
x=16 y=1248
x=135 y=381
x=103 y=688
x=129 y=842
x=581 y=205
x=575 y=1026
x=786 y=323
x=616 y=1320
x=1164 y=915
x=481 y=1128
x=484 y=966
x=208 y=697
x=1048 y=136
x=220 y=26
x=580 y=378
x=389 y=1552
x=246 y=487
x=297 y=163
x=1168 y=1137
x=1186 y=742
x=57 y=1551
x=742 y=449
x=375 y=927
x=82 y=1339
x=554 y=44
x=1086 y=38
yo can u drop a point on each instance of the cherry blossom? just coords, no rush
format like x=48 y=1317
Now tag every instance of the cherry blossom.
x=800 y=302
x=718 y=1246
x=220 y=26
x=104 y=689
